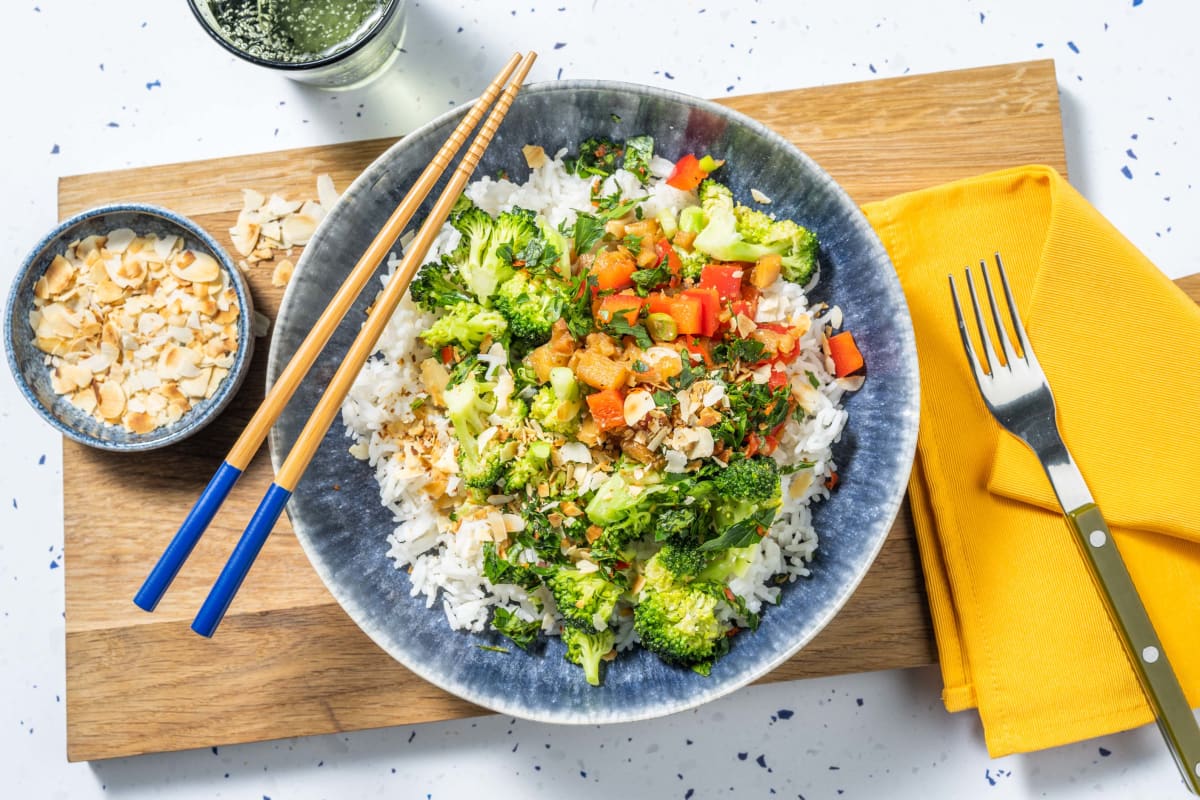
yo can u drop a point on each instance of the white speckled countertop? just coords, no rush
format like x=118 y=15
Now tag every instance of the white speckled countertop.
x=96 y=86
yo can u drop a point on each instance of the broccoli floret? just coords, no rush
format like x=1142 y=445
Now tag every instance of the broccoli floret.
x=680 y=625
x=530 y=467
x=737 y=233
x=476 y=228
x=557 y=405
x=746 y=499
x=521 y=632
x=675 y=524
x=587 y=649
x=531 y=306
x=510 y=233
x=466 y=325
x=684 y=561
x=500 y=570
x=730 y=564
x=554 y=239
x=691 y=263
x=755 y=479
x=437 y=285
x=468 y=405
x=586 y=600
x=744 y=488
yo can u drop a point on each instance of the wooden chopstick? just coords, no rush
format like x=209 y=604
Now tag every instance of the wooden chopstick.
x=281 y=392
x=330 y=404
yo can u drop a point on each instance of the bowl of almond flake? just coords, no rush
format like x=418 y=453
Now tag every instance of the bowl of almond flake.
x=128 y=328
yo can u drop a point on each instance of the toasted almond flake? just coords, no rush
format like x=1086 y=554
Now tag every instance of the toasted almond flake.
x=575 y=452
x=569 y=508
x=638 y=404
x=202 y=269
x=278 y=206
x=851 y=383
x=759 y=197
x=282 y=273
x=513 y=523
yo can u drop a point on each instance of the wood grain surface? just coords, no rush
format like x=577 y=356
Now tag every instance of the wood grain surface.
x=287 y=660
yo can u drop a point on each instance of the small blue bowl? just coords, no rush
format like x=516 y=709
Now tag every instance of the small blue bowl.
x=27 y=362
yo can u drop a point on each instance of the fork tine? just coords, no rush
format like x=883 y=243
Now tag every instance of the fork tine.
x=989 y=352
x=1001 y=331
x=1026 y=351
x=962 y=331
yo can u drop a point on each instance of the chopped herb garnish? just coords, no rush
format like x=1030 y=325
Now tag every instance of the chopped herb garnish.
x=633 y=243
x=688 y=374
x=748 y=351
x=638 y=152
x=664 y=399
x=417 y=402
x=812 y=379
x=640 y=366
x=621 y=327
x=493 y=648
x=646 y=279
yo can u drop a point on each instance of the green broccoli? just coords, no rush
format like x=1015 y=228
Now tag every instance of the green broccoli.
x=692 y=219
x=476 y=226
x=675 y=524
x=586 y=600
x=531 y=306
x=511 y=232
x=737 y=233
x=557 y=405
x=527 y=469
x=468 y=405
x=587 y=649
x=684 y=561
x=520 y=631
x=437 y=285
x=746 y=500
x=680 y=625
x=692 y=262
x=465 y=325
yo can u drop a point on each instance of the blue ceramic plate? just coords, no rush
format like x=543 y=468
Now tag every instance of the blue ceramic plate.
x=344 y=531
x=27 y=362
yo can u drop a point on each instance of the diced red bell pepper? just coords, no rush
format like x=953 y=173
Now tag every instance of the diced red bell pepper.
x=659 y=303
x=663 y=249
x=697 y=345
x=711 y=302
x=725 y=278
x=785 y=356
x=628 y=305
x=688 y=313
x=847 y=359
x=777 y=379
x=687 y=174
x=447 y=354
x=608 y=409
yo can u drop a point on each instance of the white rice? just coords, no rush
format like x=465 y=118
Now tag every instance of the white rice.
x=379 y=407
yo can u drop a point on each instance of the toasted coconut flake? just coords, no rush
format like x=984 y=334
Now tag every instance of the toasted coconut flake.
x=327 y=195
x=59 y=276
x=535 y=155
x=297 y=229
x=283 y=273
x=111 y=399
x=638 y=404
x=119 y=240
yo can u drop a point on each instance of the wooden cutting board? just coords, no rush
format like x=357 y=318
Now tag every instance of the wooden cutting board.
x=287 y=660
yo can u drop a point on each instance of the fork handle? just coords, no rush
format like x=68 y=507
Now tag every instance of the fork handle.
x=1142 y=645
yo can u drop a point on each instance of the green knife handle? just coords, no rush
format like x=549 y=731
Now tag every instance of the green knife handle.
x=1142 y=645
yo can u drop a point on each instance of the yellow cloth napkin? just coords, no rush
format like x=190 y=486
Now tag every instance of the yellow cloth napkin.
x=1022 y=633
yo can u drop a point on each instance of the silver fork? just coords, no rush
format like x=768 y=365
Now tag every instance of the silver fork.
x=1019 y=397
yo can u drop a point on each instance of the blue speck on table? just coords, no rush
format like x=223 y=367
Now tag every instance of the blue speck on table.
x=1104 y=751
x=152 y=84
x=785 y=713
x=1073 y=46
x=1128 y=173
x=559 y=45
x=53 y=151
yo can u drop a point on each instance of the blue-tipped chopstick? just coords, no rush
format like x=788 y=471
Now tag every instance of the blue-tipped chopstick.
x=329 y=405
x=251 y=439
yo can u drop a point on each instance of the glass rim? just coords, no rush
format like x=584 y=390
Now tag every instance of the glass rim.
x=389 y=11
